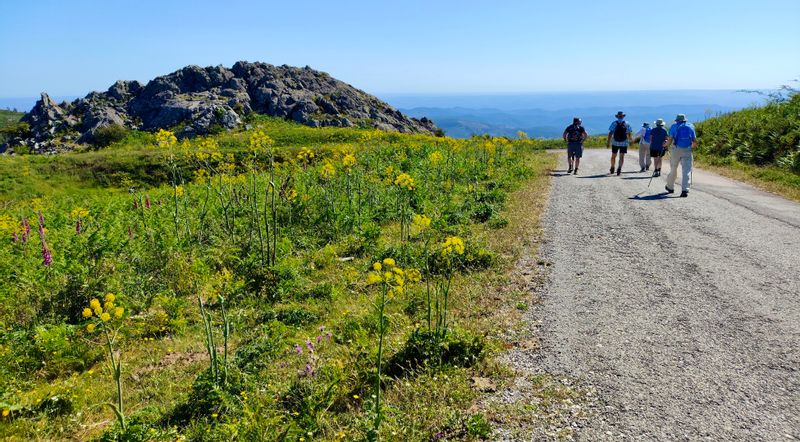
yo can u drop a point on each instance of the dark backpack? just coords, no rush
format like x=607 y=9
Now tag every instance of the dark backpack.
x=620 y=131
x=575 y=134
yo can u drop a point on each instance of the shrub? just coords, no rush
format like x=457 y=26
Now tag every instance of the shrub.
x=105 y=136
x=425 y=348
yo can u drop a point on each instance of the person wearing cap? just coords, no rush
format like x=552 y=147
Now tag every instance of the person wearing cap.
x=643 y=138
x=574 y=135
x=683 y=138
x=658 y=136
x=622 y=135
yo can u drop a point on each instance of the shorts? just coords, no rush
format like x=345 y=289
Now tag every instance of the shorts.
x=575 y=149
x=656 y=153
x=621 y=149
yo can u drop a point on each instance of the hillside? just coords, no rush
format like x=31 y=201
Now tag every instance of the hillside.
x=201 y=101
x=237 y=277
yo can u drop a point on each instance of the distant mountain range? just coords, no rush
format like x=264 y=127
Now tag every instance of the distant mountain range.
x=547 y=114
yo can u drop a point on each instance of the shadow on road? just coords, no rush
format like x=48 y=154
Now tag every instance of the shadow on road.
x=636 y=178
x=603 y=175
x=658 y=196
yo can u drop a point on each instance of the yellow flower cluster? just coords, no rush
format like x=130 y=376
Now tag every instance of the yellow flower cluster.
x=79 y=212
x=453 y=245
x=435 y=157
x=421 y=222
x=387 y=272
x=305 y=155
x=291 y=195
x=405 y=181
x=208 y=149
x=349 y=161
x=7 y=224
x=102 y=311
x=200 y=176
x=165 y=139
x=259 y=141
x=178 y=190
x=328 y=171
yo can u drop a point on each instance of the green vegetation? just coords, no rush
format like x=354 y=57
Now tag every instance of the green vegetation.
x=282 y=283
x=760 y=145
x=10 y=126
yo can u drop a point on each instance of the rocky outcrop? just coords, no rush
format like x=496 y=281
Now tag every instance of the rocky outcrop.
x=203 y=100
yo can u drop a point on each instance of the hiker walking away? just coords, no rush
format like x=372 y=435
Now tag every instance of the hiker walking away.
x=574 y=135
x=683 y=138
x=621 y=133
x=658 y=138
x=643 y=138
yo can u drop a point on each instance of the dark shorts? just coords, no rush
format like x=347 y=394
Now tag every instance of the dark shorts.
x=575 y=150
x=656 y=153
x=621 y=149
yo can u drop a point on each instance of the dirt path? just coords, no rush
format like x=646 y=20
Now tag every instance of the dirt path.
x=682 y=313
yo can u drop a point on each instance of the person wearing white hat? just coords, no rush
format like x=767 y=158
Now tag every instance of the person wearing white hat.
x=683 y=138
x=658 y=136
x=643 y=137
x=622 y=134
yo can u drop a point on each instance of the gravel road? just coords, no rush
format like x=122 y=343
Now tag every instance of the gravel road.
x=682 y=313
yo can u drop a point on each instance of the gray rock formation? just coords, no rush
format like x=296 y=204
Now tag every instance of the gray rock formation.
x=202 y=100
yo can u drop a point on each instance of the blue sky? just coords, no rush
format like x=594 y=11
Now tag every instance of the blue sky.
x=433 y=46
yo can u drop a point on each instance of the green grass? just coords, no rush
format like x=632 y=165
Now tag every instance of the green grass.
x=8 y=118
x=208 y=241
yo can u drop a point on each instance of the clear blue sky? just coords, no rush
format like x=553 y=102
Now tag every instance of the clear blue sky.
x=433 y=46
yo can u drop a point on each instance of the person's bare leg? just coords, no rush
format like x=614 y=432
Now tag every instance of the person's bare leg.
x=577 y=162
x=569 y=161
x=621 y=160
x=613 y=161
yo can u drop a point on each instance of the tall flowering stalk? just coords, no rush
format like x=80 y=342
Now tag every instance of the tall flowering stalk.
x=107 y=319
x=390 y=279
x=405 y=185
x=47 y=254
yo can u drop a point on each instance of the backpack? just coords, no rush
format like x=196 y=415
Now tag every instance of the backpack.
x=620 y=131
x=646 y=137
x=575 y=134
x=683 y=136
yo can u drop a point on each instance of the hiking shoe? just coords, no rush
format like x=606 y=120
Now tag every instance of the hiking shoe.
x=611 y=171
x=669 y=190
x=647 y=168
x=641 y=170
x=576 y=171
x=619 y=171
x=684 y=194
x=569 y=171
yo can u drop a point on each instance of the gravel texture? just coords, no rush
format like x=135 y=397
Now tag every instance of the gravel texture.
x=682 y=314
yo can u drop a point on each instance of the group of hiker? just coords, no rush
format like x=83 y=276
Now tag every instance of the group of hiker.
x=654 y=144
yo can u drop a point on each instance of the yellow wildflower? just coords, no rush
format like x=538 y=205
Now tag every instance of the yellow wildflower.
x=79 y=212
x=94 y=303
x=453 y=244
x=377 y=267
x=413 y=275
x=6 y=412
x=87 y=312
x=90 y=328
x=349 y=160
x=388 y=261
x=179 y=190
x=328 y=171
x=405 y=181
x=305 y=155
x=435 y=157
x=373 y=278
x=105 y=316
x=165 y=139
x=259 y=141
x=118 y=312
x=110 y=297
x=421 y=221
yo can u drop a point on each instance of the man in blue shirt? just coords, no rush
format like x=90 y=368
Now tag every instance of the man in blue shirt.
x=683 y=138
x=622 y=135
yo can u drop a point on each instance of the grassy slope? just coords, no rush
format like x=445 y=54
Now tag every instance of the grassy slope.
x=758 y=145
x=7 y=118
x=159 y=371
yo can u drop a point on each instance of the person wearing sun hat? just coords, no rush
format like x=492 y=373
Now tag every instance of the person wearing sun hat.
x=643 y=137
x=658 y=136
x=683 y=138
x=574 y=135
x=622 y=134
